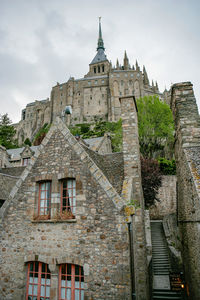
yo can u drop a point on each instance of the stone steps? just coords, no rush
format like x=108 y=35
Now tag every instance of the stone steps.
x=160 y=294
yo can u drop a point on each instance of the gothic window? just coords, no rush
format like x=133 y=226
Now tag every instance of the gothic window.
x=44 y=201
x=68 y=196
x=102 y=68
x=130 y=82
x=71 y=282
x=23 y=115
x=25 y=161
x=99 y=69
x=38 y=281
x=95 y=70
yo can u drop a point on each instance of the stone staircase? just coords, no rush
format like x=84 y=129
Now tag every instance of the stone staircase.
x=161 y=265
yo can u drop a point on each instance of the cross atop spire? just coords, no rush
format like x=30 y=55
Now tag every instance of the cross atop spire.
x=100 y=44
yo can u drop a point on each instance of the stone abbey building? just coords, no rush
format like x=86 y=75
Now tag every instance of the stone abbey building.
x=93 y=97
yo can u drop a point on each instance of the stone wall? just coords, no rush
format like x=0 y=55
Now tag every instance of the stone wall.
x=167 y=196
x=187 y=153
x=96 y=239
x=132 y=192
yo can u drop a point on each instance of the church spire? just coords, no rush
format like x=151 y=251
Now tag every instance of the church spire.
x=100 y=44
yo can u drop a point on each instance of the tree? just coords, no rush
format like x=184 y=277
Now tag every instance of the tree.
x=151 y=180
x=7 y=132
x=27 y=142
x=155 y=124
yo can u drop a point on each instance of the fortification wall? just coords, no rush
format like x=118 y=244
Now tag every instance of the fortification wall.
x=187 y=153
x=167 y=196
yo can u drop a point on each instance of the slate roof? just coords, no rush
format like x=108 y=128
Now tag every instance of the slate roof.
x=15 y=153
x=7 y=181
x=91 y=142
x=112 y=166
x=12 y=171
x=99 y=57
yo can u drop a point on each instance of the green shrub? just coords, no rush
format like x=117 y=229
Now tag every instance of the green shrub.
x=167 y=167
x=27 y=142
x=41 y=134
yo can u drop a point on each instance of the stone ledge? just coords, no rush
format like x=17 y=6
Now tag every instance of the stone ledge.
x=54 y=221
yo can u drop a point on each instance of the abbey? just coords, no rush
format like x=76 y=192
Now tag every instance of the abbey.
x=93 y=97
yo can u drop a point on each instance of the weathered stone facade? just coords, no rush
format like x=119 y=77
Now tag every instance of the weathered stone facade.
x=96 y=239
x=187 y=153
x=93 y=97
x=167 y=199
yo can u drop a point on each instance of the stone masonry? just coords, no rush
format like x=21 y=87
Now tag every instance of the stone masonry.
x=167 y=199
x=97 y=238
x=132 y=192
x=187 y=153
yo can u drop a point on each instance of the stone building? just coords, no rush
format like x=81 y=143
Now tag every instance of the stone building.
x=64 y=228
x=187 y=154
x=93 y=97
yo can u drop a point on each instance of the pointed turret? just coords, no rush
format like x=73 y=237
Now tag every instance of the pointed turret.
x=126 y=62
x=137 y=66
x=145 y=78
x=117 y=64
x=157 y=89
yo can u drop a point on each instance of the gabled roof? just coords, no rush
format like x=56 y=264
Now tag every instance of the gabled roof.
x=84 y=156
x=112 y=166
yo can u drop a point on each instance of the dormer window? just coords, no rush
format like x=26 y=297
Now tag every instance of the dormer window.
x=99 y=69
x=26 y=161
x=102 y=68
x=95 y=70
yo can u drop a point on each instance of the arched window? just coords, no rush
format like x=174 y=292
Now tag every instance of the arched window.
x=95 y=69
x=102 y=68
x=38 y=281
x=71 y=282
x=99 y=69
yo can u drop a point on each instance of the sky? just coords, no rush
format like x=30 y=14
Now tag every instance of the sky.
x=43 y=42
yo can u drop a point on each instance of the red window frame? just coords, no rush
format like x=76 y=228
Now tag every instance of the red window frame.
x=73 y=274
x=26 y=161
x=40 y=288
x=45 y=210
x=68 y=195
